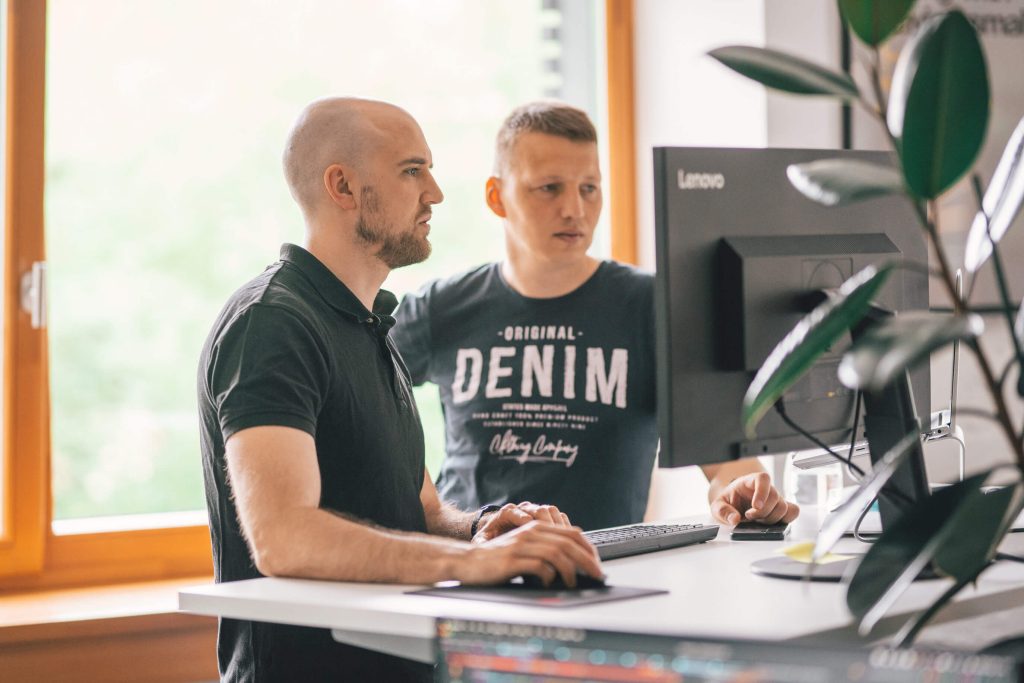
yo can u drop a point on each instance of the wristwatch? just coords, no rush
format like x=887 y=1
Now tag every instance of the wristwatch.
x=479 y=515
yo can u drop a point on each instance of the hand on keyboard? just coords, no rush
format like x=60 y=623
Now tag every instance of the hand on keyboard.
x=511 y=516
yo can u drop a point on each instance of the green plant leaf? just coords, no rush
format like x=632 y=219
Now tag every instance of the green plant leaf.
x=834 y=182
x=938 y=104
x=903 y=550
x=874 y=20
x=1002 y=203
x=886 y=350
x=974 y=534
x=785 y=72
x=845 y=515
x=813 y=335
x=975 y=531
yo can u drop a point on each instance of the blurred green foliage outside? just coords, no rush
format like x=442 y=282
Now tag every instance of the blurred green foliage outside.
x=165 y=121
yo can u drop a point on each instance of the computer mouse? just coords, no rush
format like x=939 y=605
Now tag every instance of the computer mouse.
x=583 y=581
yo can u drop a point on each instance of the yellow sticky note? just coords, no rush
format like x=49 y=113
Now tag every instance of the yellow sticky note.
x=801 y=552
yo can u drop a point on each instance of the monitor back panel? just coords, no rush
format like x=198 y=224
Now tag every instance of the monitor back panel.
x=707 y=197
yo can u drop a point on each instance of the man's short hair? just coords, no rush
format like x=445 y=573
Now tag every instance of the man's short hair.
x=550 y=118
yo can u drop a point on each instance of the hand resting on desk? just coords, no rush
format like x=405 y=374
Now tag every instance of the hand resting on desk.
x=752 y=497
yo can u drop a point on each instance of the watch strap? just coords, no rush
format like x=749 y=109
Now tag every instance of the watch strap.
x=479 y=515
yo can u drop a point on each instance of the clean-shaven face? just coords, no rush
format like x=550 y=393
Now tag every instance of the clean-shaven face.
x=551 y=192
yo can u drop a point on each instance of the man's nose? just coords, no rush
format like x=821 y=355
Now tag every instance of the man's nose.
x=433 y=194
x=572 y=205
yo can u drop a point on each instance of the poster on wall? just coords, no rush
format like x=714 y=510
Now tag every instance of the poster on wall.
x=1000 y=25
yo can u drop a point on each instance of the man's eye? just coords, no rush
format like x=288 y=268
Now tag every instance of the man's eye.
x=588 y=189
x=413 y=171
x=550 y=187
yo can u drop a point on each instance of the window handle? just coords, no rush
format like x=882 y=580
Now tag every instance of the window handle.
x=33 y=294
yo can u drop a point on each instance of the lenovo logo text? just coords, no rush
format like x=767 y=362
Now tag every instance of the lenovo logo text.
x=700 y=181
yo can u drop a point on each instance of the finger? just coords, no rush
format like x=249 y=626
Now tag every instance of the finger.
x=792 y=512
x=765 y=509
x=575 y=534
x=528 y=508
x=515 y=516
x=568 y=542
x=781 y=510
x=558 y=518
x=590 y=547
x=725 y=513
x=536 y=566
x=582 y=553
x=501 y=560
x=773 y=514
x=561 y=562
x=549 y=514
x=761 y=486
x=502 y=521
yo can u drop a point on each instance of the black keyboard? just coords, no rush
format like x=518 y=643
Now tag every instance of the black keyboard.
x=634 y=539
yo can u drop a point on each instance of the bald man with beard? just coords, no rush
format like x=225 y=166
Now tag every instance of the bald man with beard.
x=312 y=445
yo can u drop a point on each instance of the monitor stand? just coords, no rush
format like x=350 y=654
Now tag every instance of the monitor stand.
x=889 y=415
x=781 y=567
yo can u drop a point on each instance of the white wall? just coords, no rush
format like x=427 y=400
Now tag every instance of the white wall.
x=683 y=97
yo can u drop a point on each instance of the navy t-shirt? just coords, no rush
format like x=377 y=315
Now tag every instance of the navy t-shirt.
x=547 y=400
x=295 y=348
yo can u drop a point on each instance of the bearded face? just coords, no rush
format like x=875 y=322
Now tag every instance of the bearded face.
x=399 y=239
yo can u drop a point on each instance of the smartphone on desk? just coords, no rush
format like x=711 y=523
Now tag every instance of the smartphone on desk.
x=754 y=531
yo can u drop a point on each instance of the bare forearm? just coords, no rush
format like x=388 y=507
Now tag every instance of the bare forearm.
x=448 y=520
x=313 y=543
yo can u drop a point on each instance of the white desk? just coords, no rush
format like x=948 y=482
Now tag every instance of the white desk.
x=712 y=593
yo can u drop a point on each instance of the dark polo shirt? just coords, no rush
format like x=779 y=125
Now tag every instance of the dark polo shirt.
x=295 y=348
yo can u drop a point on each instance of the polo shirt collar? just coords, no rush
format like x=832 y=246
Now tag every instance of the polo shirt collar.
x=337 y=295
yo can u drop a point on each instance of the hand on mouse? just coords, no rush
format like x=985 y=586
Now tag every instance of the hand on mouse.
x=752 y=497
x=583 y=581
x=539 y=548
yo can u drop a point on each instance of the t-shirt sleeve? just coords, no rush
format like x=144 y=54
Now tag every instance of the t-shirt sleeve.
x=268 y=369
x=411 y=334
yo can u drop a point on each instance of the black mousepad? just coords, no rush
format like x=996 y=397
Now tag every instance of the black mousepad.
x=536 y=597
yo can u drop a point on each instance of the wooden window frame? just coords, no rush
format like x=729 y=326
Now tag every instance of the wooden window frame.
x=618 y=26
x=31 y=555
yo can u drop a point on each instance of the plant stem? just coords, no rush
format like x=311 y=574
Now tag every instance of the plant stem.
x=881 y=103
x=1016 y=443
x=990 y=379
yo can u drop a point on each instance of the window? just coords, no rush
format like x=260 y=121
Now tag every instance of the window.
x=163 y=125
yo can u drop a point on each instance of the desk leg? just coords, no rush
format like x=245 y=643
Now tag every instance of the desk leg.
x=409 y=647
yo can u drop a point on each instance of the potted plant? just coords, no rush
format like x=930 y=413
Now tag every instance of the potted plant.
x=935 y=116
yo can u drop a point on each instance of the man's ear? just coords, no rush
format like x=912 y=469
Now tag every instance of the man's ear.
x=336 y=182
x=493 y=194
